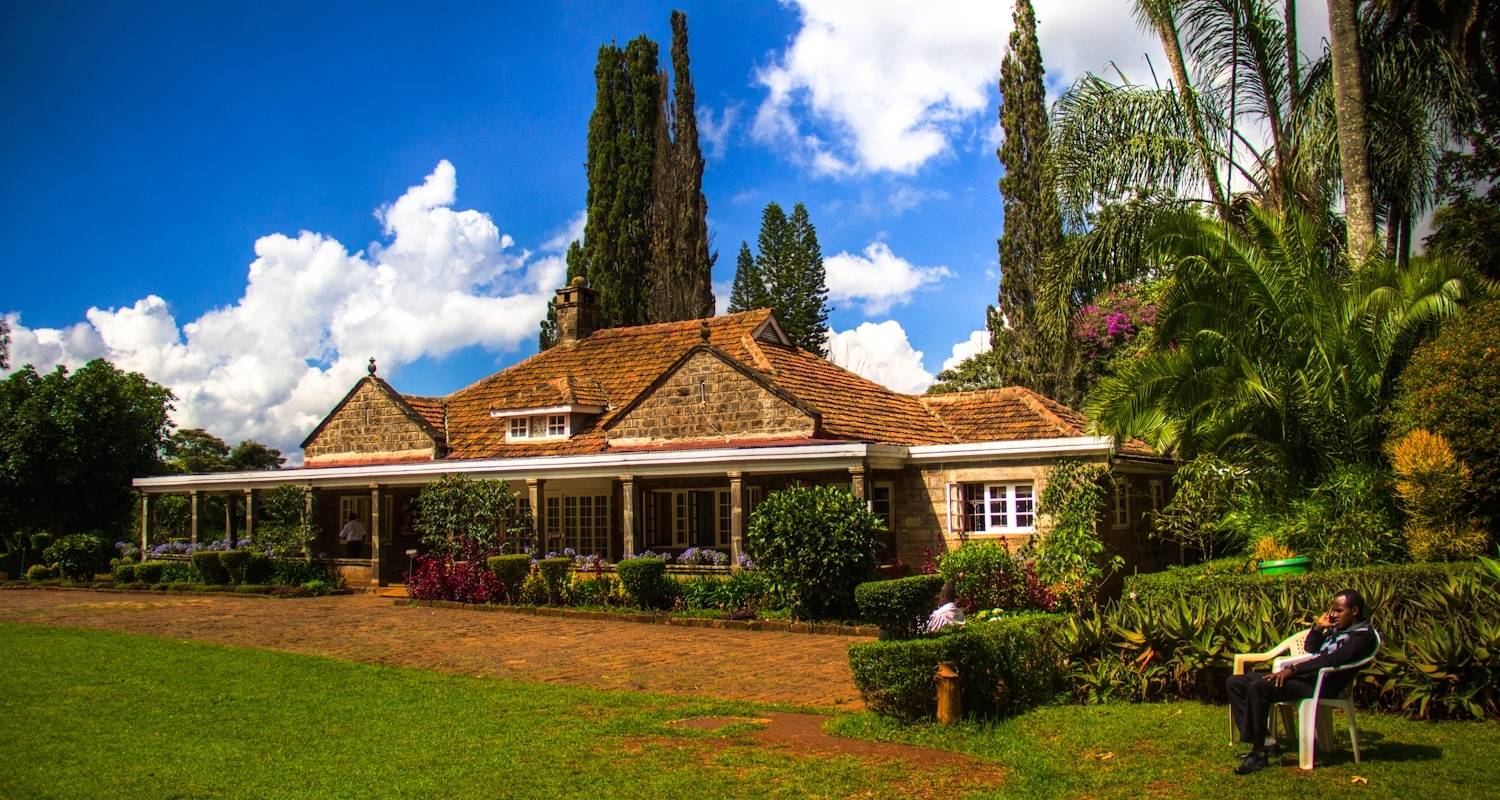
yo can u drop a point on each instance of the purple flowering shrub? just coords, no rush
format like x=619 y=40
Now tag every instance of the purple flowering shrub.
x=703 y=556
x=1111 y=326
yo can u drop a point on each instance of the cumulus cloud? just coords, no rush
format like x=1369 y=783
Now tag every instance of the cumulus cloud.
x=978 y=342
x=715 y=134
x=877 y=86
x=881 y=352
x=271 y=365
x=879 y=279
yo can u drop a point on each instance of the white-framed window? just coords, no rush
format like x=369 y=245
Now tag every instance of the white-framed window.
x=882 y=502
x=1158 y=495
x=996 y=507
x=1122 y=502
x=540 y=426
x=753 y=496
x=579 y=521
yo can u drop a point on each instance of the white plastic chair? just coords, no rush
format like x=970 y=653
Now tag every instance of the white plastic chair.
x=1314 y=726
x=1293 y=646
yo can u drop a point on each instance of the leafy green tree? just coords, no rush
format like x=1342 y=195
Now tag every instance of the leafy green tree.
x=791 y=264
x=749 y=289
x=979 y=371
x=456 y=511
x=1266 y=353
x=252 y=456
x=681 y=270
x=72 y=442
x=195 y=450
x=814 y=544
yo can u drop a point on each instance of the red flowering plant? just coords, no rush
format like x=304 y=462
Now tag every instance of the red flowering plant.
x=463 y=522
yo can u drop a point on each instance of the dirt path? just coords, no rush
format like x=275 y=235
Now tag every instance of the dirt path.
x=806 y=669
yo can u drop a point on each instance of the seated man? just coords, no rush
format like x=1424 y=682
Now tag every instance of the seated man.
x=1341 y=636
x=947 y=612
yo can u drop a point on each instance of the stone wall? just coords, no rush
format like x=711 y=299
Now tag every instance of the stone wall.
x=707 y=398
x=370 y=428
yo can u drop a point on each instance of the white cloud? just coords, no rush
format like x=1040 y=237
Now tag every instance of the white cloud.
x=879 y=279
x=881 y=352
x=978 y=342
x=271 y=365
x=883 y=86
x=567 y=234
x=716 y=134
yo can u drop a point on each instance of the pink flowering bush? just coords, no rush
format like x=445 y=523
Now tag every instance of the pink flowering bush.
x=1113 y=320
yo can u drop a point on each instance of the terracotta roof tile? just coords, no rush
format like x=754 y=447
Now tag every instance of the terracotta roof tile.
x=429 y=408
x=1011 y=414
x=853 y=407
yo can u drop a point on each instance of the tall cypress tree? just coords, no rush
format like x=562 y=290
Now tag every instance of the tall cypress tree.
x=791 y=265
x=681 y=273
x=749 y=290
x=621 y=162
x=1025 y=353
x=1033 y=225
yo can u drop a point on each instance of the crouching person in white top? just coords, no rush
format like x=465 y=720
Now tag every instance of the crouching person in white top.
x=947 y=612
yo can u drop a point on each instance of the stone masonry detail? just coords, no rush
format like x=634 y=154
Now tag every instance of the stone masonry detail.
x=370 y=427
x=707 y=398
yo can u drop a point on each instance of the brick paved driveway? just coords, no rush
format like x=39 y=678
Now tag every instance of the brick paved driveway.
x=806 y=669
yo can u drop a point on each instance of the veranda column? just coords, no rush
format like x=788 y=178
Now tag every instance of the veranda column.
x=193 y=526
x=249 y=516
x=228 y=520
x=375 y=534
x=307 y=519
x=627 y=514
x=535 y=494
x=736 y=519
x=859 y=483
x=145 y=524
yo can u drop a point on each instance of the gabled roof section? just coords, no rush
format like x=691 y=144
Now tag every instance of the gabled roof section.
x=737 y=366
x=1013 y=413
x=609 y=368
x=431 y=406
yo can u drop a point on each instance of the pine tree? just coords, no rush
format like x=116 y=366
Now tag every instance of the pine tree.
x=681 y=272
x=749 y=290
x=1024 y=352
x=791 y=265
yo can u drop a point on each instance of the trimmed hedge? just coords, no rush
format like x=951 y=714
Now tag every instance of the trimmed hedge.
x=257 y=569
x=511 y=571
x=297 y=571
x=234 y=564
x=40 y=572
x=150 y=571
x=645 y=581
x=901 y=606
x=1319 y=585
x=124 y=573
x=1004 y=667
x=210 y=567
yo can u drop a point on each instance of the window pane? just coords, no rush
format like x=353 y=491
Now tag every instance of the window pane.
x=1025 y=506
x=556 y=425
x=518 y=428
x=999 y=507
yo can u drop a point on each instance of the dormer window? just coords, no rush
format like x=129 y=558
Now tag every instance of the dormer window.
x=552 y=422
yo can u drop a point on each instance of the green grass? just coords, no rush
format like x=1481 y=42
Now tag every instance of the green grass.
x=99 y=714
x=1182 y=750
x=87 y=714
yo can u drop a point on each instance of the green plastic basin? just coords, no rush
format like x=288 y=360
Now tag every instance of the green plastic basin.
x=1285 y=566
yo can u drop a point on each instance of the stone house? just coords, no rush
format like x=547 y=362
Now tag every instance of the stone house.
x=667 y=436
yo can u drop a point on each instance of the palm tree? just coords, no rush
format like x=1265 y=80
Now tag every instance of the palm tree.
x=1267 y=350
x=1353 y=130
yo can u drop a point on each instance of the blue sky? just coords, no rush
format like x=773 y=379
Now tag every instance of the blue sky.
x=245 y=201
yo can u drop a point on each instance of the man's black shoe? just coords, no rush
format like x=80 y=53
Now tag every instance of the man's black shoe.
x=1250 y=763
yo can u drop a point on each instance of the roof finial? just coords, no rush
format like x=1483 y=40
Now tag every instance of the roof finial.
x=704 y=331
x=371 y=368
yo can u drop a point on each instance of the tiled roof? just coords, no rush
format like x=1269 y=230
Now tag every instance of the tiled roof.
x=612 y=367
x=428 y=408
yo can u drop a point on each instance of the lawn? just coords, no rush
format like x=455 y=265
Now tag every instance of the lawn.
x=90 y=714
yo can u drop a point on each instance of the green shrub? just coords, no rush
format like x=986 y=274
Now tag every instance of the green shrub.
x=986 y=575
x=1170 y=637
x=234 y=564
x=511 y=570
x=211 y=569
x=297 y=571
x=1434 y=487
x=814 y=544
x=80 y=555
x=150 y=571
x=533 y=589
x=1071 y=560
x=1449 y=387
x=179 y=572
x=124 y=573
x=555 y=573
x=900 y=607
x=1348 y=520
x=1004 y=667
x=258 y=569
x=593 y=590
x=645 y=581
x=40 y=572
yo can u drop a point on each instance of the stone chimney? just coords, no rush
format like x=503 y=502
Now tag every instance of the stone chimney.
x=577 y=311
